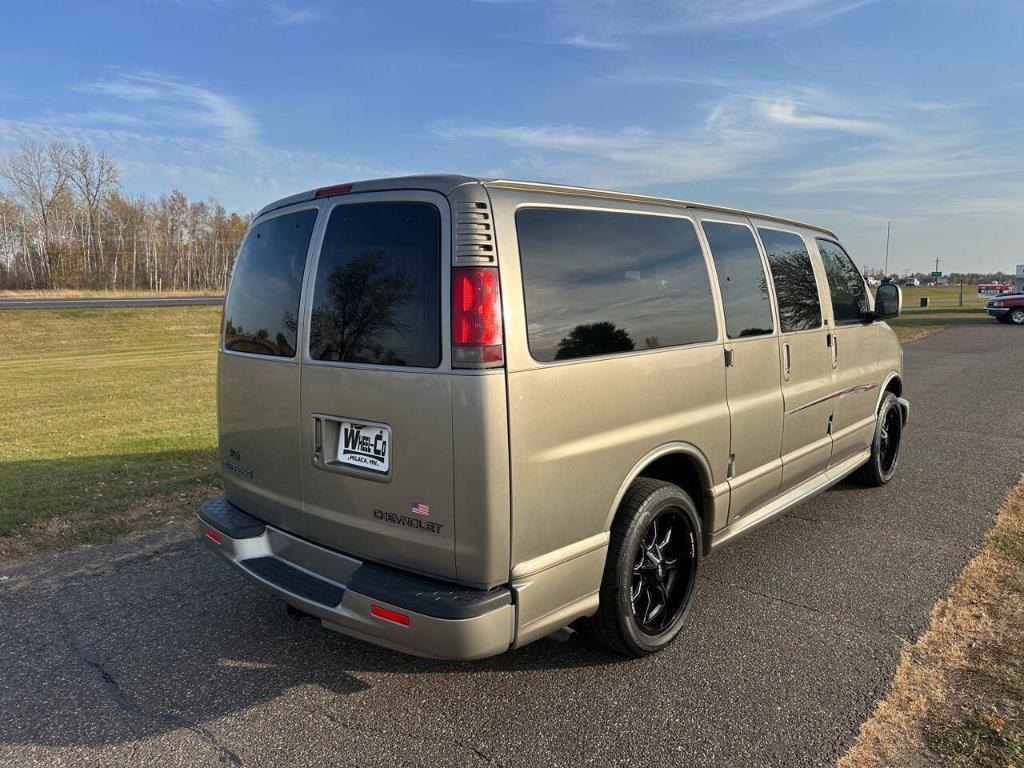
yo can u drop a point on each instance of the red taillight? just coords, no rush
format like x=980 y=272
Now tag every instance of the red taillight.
x=476 y=316
x=384 y=613
x=213 y=536
x=337 y=189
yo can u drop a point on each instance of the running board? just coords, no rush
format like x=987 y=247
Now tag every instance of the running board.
x=789 y=499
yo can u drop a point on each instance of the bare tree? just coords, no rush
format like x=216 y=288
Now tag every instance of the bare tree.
x=65 y=224
x=95 y=178
x=38 y=178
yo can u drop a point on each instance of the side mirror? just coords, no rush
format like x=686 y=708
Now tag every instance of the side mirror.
x=888 y=301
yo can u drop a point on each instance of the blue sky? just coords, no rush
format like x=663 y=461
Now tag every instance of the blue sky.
x=843 y=112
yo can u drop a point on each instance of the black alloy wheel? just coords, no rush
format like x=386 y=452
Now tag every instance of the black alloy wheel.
x=885 y=447
x=662 y=571
x=889 y=446
x=651 y=570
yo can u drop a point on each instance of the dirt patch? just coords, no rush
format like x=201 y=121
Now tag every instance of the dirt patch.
x=958 y=694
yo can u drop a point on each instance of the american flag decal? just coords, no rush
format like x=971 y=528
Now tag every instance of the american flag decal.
x=421 y=509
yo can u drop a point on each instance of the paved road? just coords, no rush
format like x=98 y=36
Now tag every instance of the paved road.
x=165 y=301
x=151 y=652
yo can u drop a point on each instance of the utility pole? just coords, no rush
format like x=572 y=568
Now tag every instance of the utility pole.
x=936 y=264
x=888 y=227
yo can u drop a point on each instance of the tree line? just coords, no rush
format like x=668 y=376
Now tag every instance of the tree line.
x=66 y=223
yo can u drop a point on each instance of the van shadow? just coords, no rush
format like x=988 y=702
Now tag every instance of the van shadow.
x=93 y=496
x=175 y=639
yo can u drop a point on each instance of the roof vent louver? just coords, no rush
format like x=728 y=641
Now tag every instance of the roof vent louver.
x=474 y=232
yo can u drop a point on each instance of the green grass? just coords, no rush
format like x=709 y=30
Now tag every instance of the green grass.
x=916 y=322
x=942 y=296
x=109 y=419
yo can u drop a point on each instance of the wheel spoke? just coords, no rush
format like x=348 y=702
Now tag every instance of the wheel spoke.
x=650 y=610
x=635 y=586
x=659 y=587
x=663 y=542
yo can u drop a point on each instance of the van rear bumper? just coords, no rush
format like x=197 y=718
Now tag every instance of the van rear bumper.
x=427 y=618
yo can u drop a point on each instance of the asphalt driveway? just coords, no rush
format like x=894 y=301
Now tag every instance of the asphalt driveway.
x=151 y=651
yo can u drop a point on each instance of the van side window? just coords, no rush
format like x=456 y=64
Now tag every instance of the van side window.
x=793 y=276
x=845 y=283
x=741 y=279
x=263 y=305
x=599 y=282
x=377 y=295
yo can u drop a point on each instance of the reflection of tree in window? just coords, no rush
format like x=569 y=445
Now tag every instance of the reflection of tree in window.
x=797 y=290
x=795 y=287
x=258 y=342
x=849 y=296
x=264 y=297
x=359 y=307
x=588 y=339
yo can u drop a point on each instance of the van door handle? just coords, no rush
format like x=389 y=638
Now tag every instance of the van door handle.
x=835 y=351
x=787 y=361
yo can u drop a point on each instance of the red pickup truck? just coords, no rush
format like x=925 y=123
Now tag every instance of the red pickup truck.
x=1007 y=308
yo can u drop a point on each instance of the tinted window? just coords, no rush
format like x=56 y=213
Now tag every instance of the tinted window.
x=845 y=283
x=598 y=282
x=260 y=316
x=741 y=279
x=377 y=297
x=795 y=287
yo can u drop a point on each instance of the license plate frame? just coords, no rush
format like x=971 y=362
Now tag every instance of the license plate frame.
x=364 y=446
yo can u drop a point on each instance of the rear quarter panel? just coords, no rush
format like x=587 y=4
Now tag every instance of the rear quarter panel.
x=578 y=428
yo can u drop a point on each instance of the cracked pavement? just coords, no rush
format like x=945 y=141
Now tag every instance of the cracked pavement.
x=150 y=651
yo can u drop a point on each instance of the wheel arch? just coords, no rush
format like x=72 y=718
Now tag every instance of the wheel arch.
x=682 y=464
x=892 y=383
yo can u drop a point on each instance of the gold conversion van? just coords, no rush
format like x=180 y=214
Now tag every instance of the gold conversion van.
x=459 y=414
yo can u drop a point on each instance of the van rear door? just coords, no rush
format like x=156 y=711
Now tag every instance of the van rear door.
x=258 y=376
x=376 y=402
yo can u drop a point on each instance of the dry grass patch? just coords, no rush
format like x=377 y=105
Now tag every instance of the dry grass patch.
x=60 y=532
x=909 y=333
x=957 y=698
x=100 y=293
x=104 y=411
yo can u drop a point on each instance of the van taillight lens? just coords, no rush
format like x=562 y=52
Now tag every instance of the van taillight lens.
x=476 y=317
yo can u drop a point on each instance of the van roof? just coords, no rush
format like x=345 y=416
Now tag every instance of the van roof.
x=446 y=183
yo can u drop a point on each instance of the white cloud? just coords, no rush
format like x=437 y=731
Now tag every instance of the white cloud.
x=628 y=157
x=285 y=15
x=163 y=100
x=720 y=13
x=163 y=132
x=785 y=113
x=917 y=164
x=582 y=41
x=592 y=19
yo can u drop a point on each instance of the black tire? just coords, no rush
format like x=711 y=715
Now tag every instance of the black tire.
x=1016 y=316
x=656 y=513
x=885 y=447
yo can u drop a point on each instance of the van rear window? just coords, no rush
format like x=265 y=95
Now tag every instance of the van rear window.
x=262 y=308
x=598 y=282
x=377 y=297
